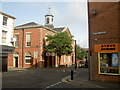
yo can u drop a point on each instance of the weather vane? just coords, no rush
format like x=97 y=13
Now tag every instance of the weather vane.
x=49 y=8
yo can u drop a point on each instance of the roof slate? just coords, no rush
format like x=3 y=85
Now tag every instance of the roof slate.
x=59 y=29
x=28 y=24
x=33 y=25
x=7 y=15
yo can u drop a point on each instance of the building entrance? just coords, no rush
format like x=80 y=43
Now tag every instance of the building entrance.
x=50 y=61
x=16 y=61
x=4 y=63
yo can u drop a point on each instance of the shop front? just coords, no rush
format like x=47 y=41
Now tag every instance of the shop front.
x=4 y=51
x=108 y=60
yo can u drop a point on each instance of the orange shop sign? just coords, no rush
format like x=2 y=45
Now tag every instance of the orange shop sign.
x=107 y=48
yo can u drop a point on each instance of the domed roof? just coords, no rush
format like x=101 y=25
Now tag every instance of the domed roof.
x=49 y=14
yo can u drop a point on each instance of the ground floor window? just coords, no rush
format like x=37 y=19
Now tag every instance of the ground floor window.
x=28 y=59
x=109 y=63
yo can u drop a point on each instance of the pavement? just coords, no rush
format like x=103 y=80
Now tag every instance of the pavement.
x=81 y=78
x=16 y=69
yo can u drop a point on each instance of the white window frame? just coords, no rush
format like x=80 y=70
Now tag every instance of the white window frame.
x=16 y=40
x=5 y=21
x=5 y=37
x=28 y=57
x=26 y=39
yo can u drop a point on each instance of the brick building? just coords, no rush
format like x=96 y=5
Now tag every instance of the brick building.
x=104 y=41
x=29 y=47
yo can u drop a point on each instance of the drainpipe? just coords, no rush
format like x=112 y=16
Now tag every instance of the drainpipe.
x=90 y=60
x=22 y=47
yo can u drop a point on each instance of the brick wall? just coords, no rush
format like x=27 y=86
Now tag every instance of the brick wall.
x=106 y=20
x=36 y=43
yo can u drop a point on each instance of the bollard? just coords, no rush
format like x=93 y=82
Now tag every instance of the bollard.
x=75 y=66
x=71 y=74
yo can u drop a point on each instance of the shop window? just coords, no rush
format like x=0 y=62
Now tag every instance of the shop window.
x=109 y=63
x=28 y=58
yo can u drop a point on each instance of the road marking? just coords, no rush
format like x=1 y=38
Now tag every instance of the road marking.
x=66 y=80
x=52 y=85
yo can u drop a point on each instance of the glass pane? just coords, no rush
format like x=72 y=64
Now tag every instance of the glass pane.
x=28 y=37
x=4 y=36
x=4 y=20
x=28 y=43
x=109 y=63
x=28 y=60
x=17 y=40
x=114 y=59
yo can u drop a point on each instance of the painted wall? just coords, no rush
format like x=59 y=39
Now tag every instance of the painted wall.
x=9 y=28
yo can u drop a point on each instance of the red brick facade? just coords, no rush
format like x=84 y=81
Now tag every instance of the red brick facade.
x=103 y=29
x=37 y=45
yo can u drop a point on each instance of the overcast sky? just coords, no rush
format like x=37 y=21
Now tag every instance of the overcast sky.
x=66 y=14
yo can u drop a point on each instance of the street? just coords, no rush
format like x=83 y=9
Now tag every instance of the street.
x=37 y=78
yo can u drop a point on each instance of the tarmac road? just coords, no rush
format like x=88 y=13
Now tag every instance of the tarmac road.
x=37 y=78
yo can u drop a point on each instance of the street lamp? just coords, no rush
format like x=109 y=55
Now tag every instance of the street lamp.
x=75 y=56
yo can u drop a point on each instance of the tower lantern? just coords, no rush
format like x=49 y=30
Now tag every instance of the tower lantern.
x=49 y=19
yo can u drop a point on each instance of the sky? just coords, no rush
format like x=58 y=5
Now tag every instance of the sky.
x=73 y=15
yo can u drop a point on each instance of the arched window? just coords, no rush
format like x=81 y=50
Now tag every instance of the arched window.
x=47 y=22
x=28 y=58
x=52 y=19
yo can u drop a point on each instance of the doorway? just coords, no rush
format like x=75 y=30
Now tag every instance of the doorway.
x=16 y=61
x=4 y=63
x=50 y=61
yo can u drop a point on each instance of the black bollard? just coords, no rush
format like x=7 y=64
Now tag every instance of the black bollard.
x=75 y=66
x=71 y=74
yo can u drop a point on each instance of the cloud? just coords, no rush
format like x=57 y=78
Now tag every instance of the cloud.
x=74 y=13
x=54 y=11
x=77 y=11
x=75 y=17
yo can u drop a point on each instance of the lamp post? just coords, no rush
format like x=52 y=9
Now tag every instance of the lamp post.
x=75 y=56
